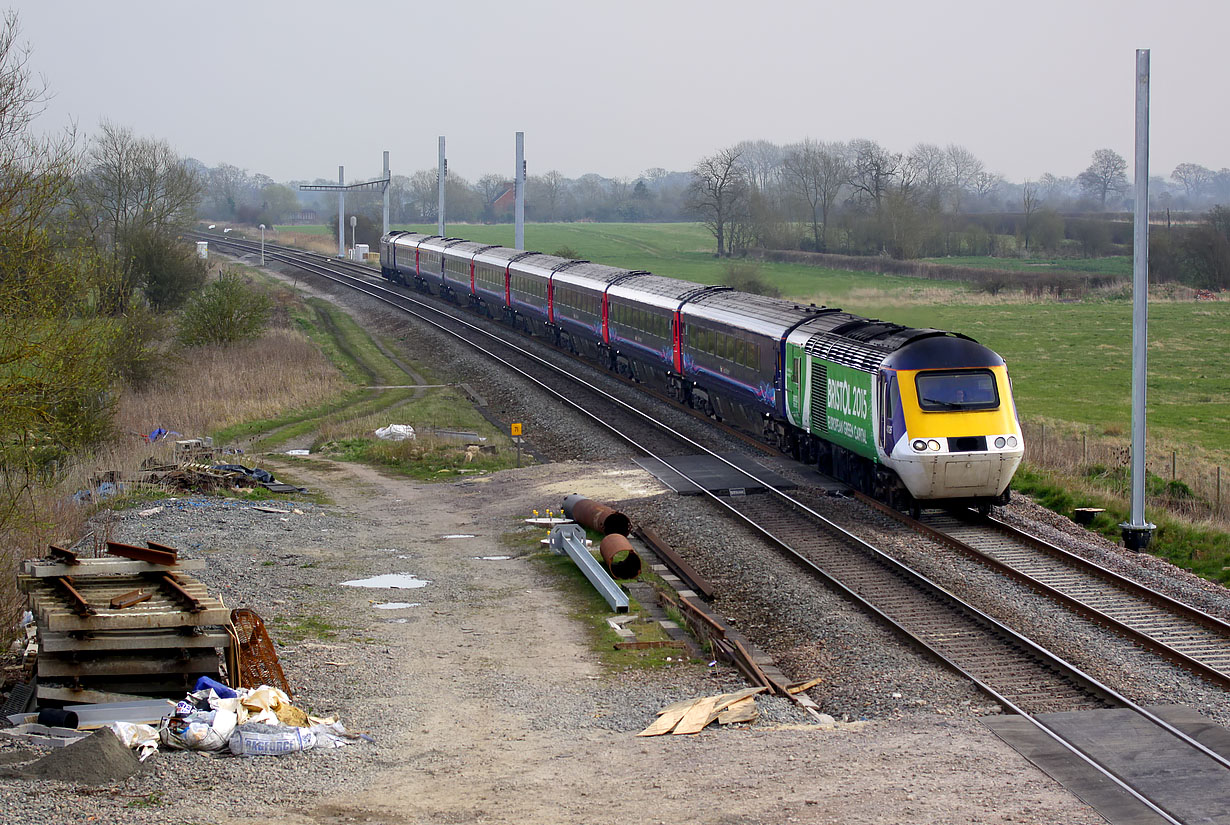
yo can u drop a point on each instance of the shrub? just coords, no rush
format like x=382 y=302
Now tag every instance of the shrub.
x=225 y=311
x=747 y=277
x=167 y=269
x=567 y=252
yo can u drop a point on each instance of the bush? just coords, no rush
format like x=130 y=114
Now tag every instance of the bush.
x=747 y=277
x=567 y=252
x=167 y=269
x=225 y=311
x=137 y=357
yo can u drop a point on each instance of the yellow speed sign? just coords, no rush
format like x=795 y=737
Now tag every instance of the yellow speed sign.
x=516 y=429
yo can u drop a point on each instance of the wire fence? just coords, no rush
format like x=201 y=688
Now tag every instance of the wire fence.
x=1181 y=483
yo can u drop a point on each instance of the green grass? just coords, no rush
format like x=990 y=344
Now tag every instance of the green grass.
x=1203 y=551
x=306 y=627
x=1114 y=265
x=1069 y=362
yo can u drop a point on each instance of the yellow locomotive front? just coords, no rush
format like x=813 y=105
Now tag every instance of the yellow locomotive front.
x=958 y=437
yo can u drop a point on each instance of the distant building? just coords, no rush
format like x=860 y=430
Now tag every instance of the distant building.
x=506 y=201
x=303 y=216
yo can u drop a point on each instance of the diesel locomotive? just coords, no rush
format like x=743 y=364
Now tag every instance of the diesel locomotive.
x=914 y=417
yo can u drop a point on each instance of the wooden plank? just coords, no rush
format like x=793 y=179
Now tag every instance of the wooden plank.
x=668 y=718
x=699 y=715
x=42 y=568
x=808 y=685
x=84 y=696
x=129 y=599
x=116 y=640
x=741 y=711
x=50 y=666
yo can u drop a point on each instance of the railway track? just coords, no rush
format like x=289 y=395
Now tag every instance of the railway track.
x=1019 y=674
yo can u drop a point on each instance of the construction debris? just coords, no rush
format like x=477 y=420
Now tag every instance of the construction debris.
x=133 y=623
x=693 y=715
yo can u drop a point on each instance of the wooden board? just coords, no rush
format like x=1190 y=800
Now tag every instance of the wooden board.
x=43 y=568
x=670 y=717
x=57 y=693
x=51 y=666
x=742 y=711
x=157 y=639
x=699 y=715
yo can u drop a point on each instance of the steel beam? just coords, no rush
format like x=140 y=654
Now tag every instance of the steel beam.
x=570 y=539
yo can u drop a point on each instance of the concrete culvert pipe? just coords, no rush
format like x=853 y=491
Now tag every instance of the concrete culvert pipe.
x=621 y=560
x=589 y=513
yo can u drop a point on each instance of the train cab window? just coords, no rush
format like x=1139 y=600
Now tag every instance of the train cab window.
x=956 y=390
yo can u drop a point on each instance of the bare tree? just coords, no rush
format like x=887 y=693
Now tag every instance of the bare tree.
x=873 y=169
x=718 y=193
x=763 y=162
x=134 y=184
x=1107 y=173
x=1029 y=205
x=491 y=186
x=548 y=191
x=963 y=171
x=816 y=172
x=933 y=173
x=1194 y=178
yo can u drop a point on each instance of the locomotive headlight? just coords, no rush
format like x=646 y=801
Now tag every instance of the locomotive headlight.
x=1000 y=442
x=1012 y=441
x=933 y=445
x=919 y=445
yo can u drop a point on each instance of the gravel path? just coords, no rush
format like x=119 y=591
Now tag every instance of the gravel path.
x=486 y=701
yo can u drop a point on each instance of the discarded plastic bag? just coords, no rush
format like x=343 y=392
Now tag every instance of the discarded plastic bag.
x=260 y=739
x=396 y=432
x=200 y=731
x=333 y=735
x=141 y=738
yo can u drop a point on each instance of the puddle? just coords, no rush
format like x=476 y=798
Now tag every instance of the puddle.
x=391 y=580
x=492 y=558
x=458 y=536
x=396 y=605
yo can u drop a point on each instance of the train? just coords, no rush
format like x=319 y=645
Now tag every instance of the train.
x=914 y=417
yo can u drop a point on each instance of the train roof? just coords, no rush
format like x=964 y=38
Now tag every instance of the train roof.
x=590 y=275
x=408 y=238
x=502 y=255
x=541 y=265
x=466 y=249
x=744 y=310
x=655 y=290
x=438 y=244
x=865 y=343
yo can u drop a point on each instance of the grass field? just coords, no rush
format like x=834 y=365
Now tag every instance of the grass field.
x=1116 y=265
x=1069 y=361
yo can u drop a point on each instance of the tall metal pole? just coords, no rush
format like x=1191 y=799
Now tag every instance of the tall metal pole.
x=519 y=215
x=1137 y=531
x=341 y=212
x=387 y=177
x=441 y=174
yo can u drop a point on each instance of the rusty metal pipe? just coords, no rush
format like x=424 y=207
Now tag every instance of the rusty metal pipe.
x=621 y=560
x=589 y=513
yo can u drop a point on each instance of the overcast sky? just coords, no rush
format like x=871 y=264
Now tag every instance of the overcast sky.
x=293 y=88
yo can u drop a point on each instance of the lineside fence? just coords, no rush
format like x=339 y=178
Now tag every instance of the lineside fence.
x=1180 y=483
